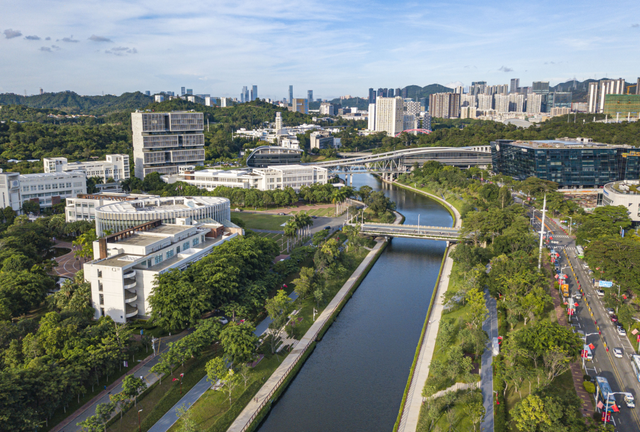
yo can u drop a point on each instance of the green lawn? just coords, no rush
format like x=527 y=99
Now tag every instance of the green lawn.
x=262 y=221
x=320 y=212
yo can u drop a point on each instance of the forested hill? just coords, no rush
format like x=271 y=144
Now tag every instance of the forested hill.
x=73 y=103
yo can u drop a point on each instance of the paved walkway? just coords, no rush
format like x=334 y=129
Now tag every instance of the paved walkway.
x=490 y=325
x=187 y=400
x=263 y=397
x=142 y=369
x=68 y=265
x=267 y=231
x=411 y=409
x=457 y=386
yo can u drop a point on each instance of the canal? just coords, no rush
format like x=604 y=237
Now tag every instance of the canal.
x=355 y=378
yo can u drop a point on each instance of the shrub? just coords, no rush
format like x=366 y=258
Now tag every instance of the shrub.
x=586 y=377
x=589 y=387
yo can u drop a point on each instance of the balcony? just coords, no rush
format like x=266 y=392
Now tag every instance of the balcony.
x=130 y=297
x=130 y=274
x=130 y=311
x=130 y=283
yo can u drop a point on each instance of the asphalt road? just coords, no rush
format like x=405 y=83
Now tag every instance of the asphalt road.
x=617 y=371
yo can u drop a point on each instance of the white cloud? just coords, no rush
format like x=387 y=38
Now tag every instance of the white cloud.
x=10 y=33
x=99 y=39
x=70 y=39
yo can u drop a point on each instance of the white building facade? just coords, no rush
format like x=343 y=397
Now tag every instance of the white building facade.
x=83 y=206
x=115 y=166
x=47 y=189
x=389 y=115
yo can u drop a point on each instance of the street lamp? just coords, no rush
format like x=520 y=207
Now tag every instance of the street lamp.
x=139 y=424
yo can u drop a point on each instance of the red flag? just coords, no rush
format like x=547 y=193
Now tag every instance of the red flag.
x=576 y=304
x=175 y=379
x=600 y=405
x=583 y=354
x=592 y=346
x=285 y=285
x=182 y=374
x=615 y=408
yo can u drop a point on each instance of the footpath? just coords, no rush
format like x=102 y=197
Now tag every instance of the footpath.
x=411 y=409
x=264 y=395
x=142 y=369
x=490 y=325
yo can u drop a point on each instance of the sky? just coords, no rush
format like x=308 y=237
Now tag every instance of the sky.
x=334 y=48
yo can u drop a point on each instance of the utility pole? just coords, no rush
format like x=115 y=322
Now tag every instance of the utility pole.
x=544 y=211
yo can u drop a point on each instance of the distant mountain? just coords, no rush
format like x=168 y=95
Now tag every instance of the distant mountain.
x=416 y=92
x=580 y=89
x=73 y=103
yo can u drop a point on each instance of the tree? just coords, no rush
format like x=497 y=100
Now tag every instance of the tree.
x=187 y=422
x=604 y=221
x=104 y=412
x=529 y=413
x=278 y=309
x=305 y=282
x=74 y=296
x=84 y=245
x=239 y=342
x=132 y=387
x=478 y=309
x=244 y=372
x=31 y=207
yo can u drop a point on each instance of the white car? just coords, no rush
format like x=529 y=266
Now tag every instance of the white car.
x=600 y=293
x=223 y=320
x=617 y=352
x=622 y=331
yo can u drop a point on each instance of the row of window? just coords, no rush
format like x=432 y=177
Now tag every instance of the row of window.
x=46 y=194
x=171 y=252
x=54 y=186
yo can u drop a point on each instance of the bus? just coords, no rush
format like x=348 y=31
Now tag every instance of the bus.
x=635 y=365
x=603 y=390
x=580 y=252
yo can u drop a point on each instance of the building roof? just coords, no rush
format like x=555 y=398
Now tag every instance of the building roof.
x=566 y=143
x=161 y=205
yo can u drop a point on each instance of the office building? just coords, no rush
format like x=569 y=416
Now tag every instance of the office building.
x=444 y=105
x=622 y=106
x=371 y=120
x=290 y=93
x=162 y=142
x=190 y=92
x=46 y=189
x=265 y=156
x=126 y=264
x=561 y=100
x=268 y=178
x=540 y=87
x=321 y=140
x=389 y=115
x=242 y=93
x=210 y=101
x=599 y=89
x=114 y=167
x=534 y=103
x=569 y=162
x=477 y=87
x=485 y=102
x=254 y=92
x=327 y=109
x=515 y=84
x=299 y=105
x=310 y=95
x=278 y=123
x=158 y=98
x=638 y=87
x=182 y=91
x=409 y=122
x=372 y=96
x=225 y=102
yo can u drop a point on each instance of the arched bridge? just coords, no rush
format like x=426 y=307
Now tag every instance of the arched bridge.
x=401 y=161
x=410 y=231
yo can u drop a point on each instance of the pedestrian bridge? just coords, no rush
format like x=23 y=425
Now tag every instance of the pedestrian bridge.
x=401 y=161
x=410 y=231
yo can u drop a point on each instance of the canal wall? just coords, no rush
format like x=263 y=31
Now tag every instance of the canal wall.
x=250 y=418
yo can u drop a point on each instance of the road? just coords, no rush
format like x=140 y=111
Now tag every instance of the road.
x=490 y=325
x=617 y=371
x=411 y=231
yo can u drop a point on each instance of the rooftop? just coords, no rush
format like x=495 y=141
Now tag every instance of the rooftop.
x=161 y=205
x=628 y=187
x=561 y=143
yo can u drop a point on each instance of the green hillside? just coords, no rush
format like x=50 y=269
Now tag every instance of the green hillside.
x=73 y=103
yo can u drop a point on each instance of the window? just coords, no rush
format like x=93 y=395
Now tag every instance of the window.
x=99 y=273
x=40 y=187
x=178 y=249
x=54 y=186
x=148 y=263
x=170 y=253
x=25 y=189
x=68 y=185
x=100 y=287
x=195 y=241
x=33 y=187
x=158 y=259
x=47 y=187
x=102 y=299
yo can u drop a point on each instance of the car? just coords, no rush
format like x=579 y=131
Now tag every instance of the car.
x=622 y=331
x=223 y=320
x=577 y=296
x=327 y=227
x=314 y=217
x=281 y=214
x=617 y=352
x=600 y=293
x=611 y=311
x=614 y=318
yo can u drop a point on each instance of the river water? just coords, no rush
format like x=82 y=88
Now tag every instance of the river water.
x=355 y=378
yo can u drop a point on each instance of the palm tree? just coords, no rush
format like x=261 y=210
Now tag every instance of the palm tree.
x=290 y=230
x=303 y=222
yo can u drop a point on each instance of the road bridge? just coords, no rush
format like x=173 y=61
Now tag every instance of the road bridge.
x=401 y=161
x=410 y=231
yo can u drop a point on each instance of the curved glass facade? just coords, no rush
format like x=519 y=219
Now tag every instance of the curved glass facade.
x=265 y=156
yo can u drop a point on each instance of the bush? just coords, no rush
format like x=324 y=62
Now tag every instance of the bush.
x=586 y=377
x=589 y=387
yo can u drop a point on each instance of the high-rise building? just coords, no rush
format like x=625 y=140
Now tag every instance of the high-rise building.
x=398 y=92
x=327 y=109
x=310 y=95
x=515 y=84
x=190 y=92
x=534 y=103
x=485 y=102
x=372 y=96
x=299 y=105
x=468 y=100
x=412 y=108
x=182 y=91
x=540 y=87
x=278 y=123
x=477 y=87
x=425 y=121
x=404 y=93
x=162 y=142
x=158 y=98
x=380 y=93
x=459 y=89
x=389 y=115
x=561 y=100
x=146 y=93
x=638 y=87
x=254 y=92
x=502 y=103
x=516 y=102
x=444 y=105
x=242 y=94
x=372 y=117
x=290 y=94
x=599 y=89
x=409 y=121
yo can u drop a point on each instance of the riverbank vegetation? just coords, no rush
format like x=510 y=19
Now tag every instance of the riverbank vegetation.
x=499 y=254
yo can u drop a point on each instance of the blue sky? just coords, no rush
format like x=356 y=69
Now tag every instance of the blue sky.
x=333 y=47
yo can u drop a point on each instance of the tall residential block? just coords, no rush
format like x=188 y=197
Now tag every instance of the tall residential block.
x=515 y=84
x=389 y=115
x=468 y=100
x=310 y=95
x=372 y=96
x=327 y=109
x=485 y=102
x=598 y=90
x=444 y=105
x=502 y=103
x=534 y=103
x=290 y=93
x=254 y=92
x=162 y=142
x=412 y=108
x=372 y=117
x=299 y=105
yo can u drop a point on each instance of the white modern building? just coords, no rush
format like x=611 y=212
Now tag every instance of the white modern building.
x=125 y=265
x=83 y=206
x=47 y=189
x=389 y=115
x=371 y=121
x=624 y=193
x=599 y=89
x=121 y=215
x=164 y=141
x=270 y=178
x=115 y=166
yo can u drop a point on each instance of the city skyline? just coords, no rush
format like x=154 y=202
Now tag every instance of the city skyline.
x=333 y=48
